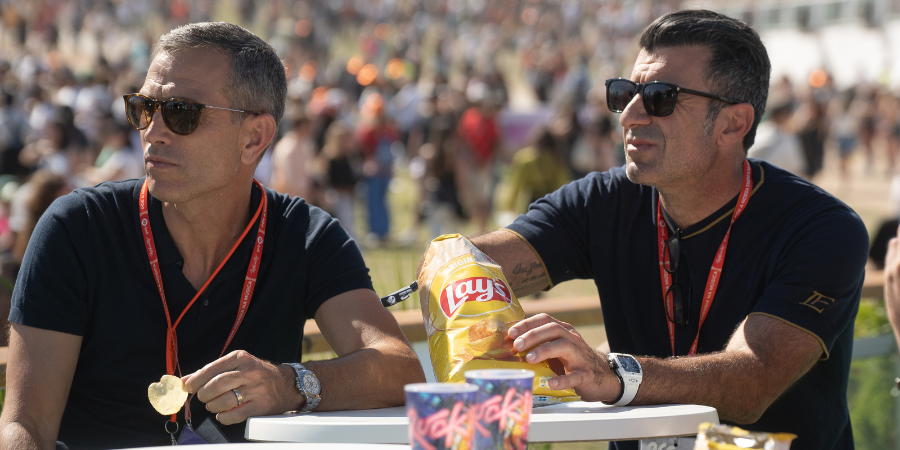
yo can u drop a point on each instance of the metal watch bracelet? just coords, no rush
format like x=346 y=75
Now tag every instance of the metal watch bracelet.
x=312 y=400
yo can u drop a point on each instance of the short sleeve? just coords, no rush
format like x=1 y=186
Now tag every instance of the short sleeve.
x=335 y=263
x=51 y=290
x=557 y=227
x=818 y=280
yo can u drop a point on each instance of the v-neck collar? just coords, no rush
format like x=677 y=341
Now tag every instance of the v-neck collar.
x=723 y=213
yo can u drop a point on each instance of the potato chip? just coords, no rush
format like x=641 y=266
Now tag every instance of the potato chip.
x=168 y=395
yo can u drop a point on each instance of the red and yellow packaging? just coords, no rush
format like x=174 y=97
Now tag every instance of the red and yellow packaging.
x=468 y=307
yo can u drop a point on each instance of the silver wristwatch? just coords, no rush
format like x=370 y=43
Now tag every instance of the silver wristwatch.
x=630 y=375
x=308 y=385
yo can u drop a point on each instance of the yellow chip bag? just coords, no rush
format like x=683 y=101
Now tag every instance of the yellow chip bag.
x=726 y=437
x=468 y=307
x=168 y=395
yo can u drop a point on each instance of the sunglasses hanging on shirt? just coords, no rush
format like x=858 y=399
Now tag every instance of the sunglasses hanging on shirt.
x=681 y=310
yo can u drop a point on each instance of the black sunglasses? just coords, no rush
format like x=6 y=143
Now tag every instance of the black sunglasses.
x=671 y=261
x=181 y=116
x=659 y=97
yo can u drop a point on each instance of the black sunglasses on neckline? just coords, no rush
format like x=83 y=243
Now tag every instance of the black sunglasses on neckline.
x=659 y=97
x=681 y=310
x=180 y=116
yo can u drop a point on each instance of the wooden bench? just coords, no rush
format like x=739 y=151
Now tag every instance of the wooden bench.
x=873 y=286
x=576 y=311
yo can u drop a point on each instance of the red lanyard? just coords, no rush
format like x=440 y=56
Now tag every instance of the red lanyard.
x=715 y=273
x=246 y=292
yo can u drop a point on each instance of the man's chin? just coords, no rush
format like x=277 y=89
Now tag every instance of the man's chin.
x=163 y=190
x=643 y=174
x=637 y=173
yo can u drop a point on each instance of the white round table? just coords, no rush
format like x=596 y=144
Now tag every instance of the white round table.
x=568 y=422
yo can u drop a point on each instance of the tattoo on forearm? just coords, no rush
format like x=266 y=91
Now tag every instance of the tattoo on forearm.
x=521 y=269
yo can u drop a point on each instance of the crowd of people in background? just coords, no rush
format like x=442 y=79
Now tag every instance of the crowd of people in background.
x=481 y=107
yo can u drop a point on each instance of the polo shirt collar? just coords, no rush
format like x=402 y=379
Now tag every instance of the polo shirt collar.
x=723 y=214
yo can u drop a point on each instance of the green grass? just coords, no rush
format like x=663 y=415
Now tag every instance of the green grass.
x=871 y=392
x=872 y=399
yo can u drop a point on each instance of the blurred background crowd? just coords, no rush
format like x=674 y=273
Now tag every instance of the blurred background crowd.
x=407 y=119
x=467 y=110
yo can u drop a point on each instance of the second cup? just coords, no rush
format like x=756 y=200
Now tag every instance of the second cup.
x=502 y=408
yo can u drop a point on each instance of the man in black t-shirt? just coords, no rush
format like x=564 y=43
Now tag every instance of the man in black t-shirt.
x=196 y=271
x=733 y=283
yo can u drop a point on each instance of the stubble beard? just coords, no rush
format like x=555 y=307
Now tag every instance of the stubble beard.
x=647 y=170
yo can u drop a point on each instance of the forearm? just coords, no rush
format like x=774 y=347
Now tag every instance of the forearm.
x=521 y=265
x=893 y=312
x=741 y=381
x=892 y=287
x=38 y=378
x=371 y=377
x=16 y=436
x=731 y=384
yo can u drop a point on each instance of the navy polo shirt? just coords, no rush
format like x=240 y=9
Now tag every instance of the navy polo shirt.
x=796 y=254
x=86 y=273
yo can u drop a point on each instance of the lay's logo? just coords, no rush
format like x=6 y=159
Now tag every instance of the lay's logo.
x=474 y=289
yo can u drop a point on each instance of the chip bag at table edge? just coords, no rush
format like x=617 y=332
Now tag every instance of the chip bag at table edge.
x=467 y=307
x=723 y=437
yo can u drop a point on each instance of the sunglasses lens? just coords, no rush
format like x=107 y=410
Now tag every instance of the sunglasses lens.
x=181 y=117
x=659 y=99
x=618 y=94
x=673 y=297
x=138 y=111
x=673 y=254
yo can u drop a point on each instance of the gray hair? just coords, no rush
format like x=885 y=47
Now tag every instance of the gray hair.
x=257 y=82
x=739 y=67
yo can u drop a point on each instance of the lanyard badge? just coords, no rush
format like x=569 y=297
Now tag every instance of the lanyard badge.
x=246 y=292
x=715 y=273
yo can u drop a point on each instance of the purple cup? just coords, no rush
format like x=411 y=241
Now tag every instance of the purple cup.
x=503 y=408
x=440 y=416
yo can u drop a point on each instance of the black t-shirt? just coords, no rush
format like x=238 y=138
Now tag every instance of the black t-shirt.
x=796 y=253
x=86 y=273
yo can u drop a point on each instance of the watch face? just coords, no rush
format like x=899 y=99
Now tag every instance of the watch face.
x=311 y=383
x=629 y=364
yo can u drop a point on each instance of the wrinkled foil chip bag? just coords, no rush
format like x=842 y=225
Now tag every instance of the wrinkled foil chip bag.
x=725 y=437
x=468 y=307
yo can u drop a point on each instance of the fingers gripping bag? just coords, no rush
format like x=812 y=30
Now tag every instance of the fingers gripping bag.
x=468 y=307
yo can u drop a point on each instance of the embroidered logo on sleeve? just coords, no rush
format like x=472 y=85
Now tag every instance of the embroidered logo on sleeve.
x=818 y=302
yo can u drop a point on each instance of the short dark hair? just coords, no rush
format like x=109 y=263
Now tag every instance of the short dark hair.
x=257 y=82
x=739 y=67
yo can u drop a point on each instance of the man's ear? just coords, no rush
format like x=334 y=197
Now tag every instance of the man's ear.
x=738 y=120
x=257 y=132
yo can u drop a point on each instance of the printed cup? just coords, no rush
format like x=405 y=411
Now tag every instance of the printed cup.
x=440 y=415
x=503 y=408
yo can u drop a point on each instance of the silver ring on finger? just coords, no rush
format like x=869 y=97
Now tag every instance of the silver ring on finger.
x=238 y=396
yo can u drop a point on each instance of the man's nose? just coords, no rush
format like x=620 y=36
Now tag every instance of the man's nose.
x=635 y=114
x=157 y=133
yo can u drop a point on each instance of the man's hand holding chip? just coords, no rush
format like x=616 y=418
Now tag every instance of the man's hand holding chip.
x=263 y=388
x=586 y=370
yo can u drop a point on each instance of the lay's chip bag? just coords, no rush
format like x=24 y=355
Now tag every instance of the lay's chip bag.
x=468 y=307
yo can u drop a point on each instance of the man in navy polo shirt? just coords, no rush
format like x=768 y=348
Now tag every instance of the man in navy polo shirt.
x=723 y=281
x=195 y=271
